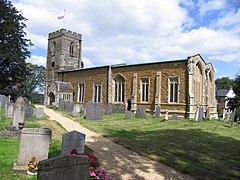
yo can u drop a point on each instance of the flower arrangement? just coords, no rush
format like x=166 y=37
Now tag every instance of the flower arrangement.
x=32 y=166
x=95 y=174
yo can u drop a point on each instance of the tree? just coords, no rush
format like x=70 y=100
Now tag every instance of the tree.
x=235 y=102
x=34 y=79
x=13 y=46
x=224 y=83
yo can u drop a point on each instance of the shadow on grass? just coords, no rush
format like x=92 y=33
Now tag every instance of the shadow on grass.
x=200 y=154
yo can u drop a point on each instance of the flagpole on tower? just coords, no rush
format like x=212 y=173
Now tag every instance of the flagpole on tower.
x=62 y=17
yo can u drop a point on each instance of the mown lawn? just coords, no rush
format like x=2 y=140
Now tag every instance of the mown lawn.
x=204 y=150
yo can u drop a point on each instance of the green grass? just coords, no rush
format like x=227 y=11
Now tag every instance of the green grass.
x=204 y=150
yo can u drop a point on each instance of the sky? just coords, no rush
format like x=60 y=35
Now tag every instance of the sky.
x=140 y=31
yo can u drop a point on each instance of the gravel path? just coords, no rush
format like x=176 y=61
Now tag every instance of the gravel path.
x=119 y=162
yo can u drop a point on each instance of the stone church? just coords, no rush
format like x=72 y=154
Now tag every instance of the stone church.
x=178 y=86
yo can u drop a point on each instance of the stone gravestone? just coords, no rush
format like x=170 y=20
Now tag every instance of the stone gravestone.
x=109 y=108
x=140 y=112
x=127 y=114
x=165 y=117
x=8 y=110
x=64 y=168
x=207 y=115
x=26 y=101
x=39 y=112
x=157 y=112
x=76 y=110
x=233 y=115
x=69 y=106
x=98 y=111
x=73 y=140
x=90 y=110
x=196 y=116
x=201 y=114
x=34 y=142
x=61 y=105
x=0 y=110
x=18 y=117
x=119 y=108
x=174 y=116
x=29 y=112
x=4 y=99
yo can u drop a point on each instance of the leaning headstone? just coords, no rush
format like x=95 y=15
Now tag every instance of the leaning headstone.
x=90 y=111
x=174 y=116
x=64 y=168
x=73 y=140
x=18 y=117
x=98 y=111
x=157 y=112
x=29 y=112
x=8 y=110
x=61 y=105
x=34 y=142
x=39 y=112
x=119 y=108
x=109 y=108
x=69 y=106
x=127 y=114
x=140 y=113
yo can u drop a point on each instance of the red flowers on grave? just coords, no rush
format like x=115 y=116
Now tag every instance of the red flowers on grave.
x=32 y=166
x=95 y=174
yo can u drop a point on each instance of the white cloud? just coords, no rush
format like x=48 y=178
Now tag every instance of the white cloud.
x=38 y=60
x=205 y=6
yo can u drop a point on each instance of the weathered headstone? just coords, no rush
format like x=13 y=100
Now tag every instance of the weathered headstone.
x=4 y=100
x=61 y=105
x=0 y=110
x=140 y=113
x=8 y=110
x=39 y=112
x=127 y=114
x=29 y=112
x=165 y=117
x=76 y=110
x=73 y=140
x=69 y=106
x=26 y=101
x=157 y=112
x=207 y=115
x=119 y=108
x=233 y=115
x=196 y=116
x=201 y=114
x=18 y=117
x=64 y=168
x=34 y=142
x=98 y=111
x=90 y=110
x=174 y=116
x=109 y=108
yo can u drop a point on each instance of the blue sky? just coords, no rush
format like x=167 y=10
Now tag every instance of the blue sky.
x=139 y=31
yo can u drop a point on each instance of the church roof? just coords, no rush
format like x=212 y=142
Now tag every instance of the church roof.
x=221 y=92
x=64 y=86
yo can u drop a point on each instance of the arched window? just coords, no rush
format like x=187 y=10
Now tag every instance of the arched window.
x=119 y=90
x=71 y=49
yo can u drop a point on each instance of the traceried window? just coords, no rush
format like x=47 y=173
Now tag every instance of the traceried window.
x=81 y=93
x=71 y=49
x=97 y=92
x=173 y=89
x=144 y=89
x=119 y=90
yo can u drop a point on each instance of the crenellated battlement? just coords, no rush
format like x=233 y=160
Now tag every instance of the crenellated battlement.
x=64 y=32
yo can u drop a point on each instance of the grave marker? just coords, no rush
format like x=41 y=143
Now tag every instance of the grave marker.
x=73 y=140
x=109 y=108
x=69 y=106
x=140 y=113
x=29 y=112
x=18 y=117
x=90 y=110
x=127 y=114
x=175 y=116
x=8 y=110
x=39 y=112
x=34 y=142
x=98 y=111
x=157 y=112
x=64 y=168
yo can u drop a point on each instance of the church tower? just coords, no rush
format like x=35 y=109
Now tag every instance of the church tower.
x=64 y=52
